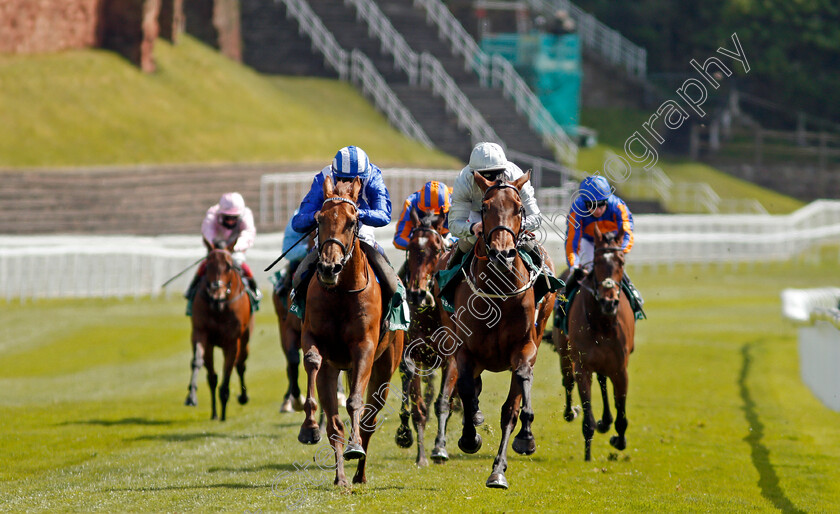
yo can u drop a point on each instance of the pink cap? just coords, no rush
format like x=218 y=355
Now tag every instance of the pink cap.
x=231 y=204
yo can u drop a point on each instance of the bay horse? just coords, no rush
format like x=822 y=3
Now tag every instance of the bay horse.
x=498 y=326
x=600 y=340
x=343 y=330
x=221 y=317
x=425 y=352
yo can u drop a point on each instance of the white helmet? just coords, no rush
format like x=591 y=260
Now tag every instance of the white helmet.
x=487 y=156
x=231 y=204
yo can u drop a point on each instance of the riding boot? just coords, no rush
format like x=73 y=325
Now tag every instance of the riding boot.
x=304 y=272
x=455 y=258
x=573 y=281
x=403 y=272
x=388 y=280
x=252 y=283
x=636 y=299
x=193 y=287
x=532 y=248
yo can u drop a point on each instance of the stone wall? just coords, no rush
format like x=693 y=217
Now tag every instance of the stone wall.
x=130 y=27
x=37 y=26
x=216 y=23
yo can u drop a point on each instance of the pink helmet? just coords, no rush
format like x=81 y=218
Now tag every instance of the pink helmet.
x=231 y=204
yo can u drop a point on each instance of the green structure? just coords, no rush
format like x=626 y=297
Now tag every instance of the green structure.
x=551 y=66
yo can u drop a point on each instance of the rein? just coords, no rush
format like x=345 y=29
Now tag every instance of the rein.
x=347 y=254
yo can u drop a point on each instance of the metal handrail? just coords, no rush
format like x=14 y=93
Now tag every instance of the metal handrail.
x=500 y=73
x=357 y=68
x=392 y=42
x=603 y=40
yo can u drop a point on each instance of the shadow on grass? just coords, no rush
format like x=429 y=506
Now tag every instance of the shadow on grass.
x=255 y=469
x=768 y=480
x=186 y=487
x=118 y=422
x=195 y=436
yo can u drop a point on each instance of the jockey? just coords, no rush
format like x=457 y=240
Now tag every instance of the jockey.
x=229 y=223
x=595 y=205
x=433 y=198
x=374 y=210
x=489 y=161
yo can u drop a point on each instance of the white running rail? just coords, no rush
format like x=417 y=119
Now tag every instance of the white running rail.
x=610 y=44
x=499 y=72
x=357 y=68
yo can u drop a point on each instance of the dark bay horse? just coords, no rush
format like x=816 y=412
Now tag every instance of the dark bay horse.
x=498 y=327
x=221 y=317
x=342 y=330
x=600 y=341
x=424 y=353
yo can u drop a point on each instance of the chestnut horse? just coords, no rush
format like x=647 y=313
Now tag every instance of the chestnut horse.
x=600 y=341
x=221 y=317
x=425 y=353
x=498 y=327
x=342 y=330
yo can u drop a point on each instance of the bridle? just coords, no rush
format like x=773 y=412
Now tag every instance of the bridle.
x=517 y=237
x=607 y=283
x=346 y=254
x=443 y=247
x=211 y=287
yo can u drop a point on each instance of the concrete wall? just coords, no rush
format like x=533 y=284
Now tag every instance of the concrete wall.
x=38 y=26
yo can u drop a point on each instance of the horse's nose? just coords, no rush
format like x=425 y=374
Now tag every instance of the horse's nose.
x=329 y=270
x=510 y=255
x=416 y=297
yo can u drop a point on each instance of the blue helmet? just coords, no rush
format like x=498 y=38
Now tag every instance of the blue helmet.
x=351 y=162
x=595 y=189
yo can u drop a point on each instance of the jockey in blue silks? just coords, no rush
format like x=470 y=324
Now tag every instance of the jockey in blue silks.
x=374 y=210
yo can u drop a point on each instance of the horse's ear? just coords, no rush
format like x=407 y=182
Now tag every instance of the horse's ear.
x=355 y=188
x=415 y=219
x=619 y=236
x=438 y=221
x=329 y=188
x=596 y=234
x=482 y=182
x=521 y=181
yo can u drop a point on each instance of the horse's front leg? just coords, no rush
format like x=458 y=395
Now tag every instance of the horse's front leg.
x=561 y=343
x=619 y=381
x=404 y=436
x=326 y=382
x=195 y=366
x=584 y=383
x=212 y=378
x=443 y=407
x=603 y=424
x=510 y=409
x=359 y=379
x=227 y=371
x=244 y=350
x=309 y=432
x=470 y=441
x=523 y=373
x=419 y=416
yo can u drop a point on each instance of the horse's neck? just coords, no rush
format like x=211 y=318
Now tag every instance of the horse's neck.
x=502 y=280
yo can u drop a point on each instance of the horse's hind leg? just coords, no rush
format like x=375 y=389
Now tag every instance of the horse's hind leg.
x=291 y=348
x=470 y=441
x=404 y=436
x=603 y=424
x=524 y=443
x=584 y=383
x=309 y=433
x=510 y=410
x=419 y=416
x=443 y=407
x=561 y=343
x=327 y=380
x=195 y=366
x=620 y=391
x=240 y=370
x=227 y=371
x=478 y=416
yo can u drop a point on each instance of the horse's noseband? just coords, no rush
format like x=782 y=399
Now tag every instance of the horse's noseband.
x=517 y=237
x=346 y=254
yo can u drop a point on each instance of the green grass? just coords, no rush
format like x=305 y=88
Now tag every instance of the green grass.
x=91 y=107
x=92 y=417
x=616 y=125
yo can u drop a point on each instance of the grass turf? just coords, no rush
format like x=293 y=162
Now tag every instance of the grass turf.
x=91 y=107
x=92 y=417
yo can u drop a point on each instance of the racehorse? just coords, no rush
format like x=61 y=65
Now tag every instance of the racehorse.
x=221 y=317
x=424 y=353
x=498 y=327
x=600 y=341
x=342 y=329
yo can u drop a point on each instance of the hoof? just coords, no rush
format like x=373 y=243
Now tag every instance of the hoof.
x=440 y=455
x=571 y=414
x=297 y=404
x=287 y=406
x=619 y=443
x=404 y=437
x=191 y=401
x=470 y=446
x=497 y=481
x=309 y=435
x=341 y=483
x=524 y=446
x=422 y=463
x=242 y=398
x=214 y=417
x=478 y=418
x=353 y=451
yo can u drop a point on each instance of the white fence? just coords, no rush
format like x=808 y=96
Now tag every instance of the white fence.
x=84 y=266
x=815 y=310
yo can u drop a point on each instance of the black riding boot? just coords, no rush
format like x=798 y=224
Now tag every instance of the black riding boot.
x=252 y=283
x=193 y=287
x=304 y=272
x=573 y=281
x=455 y=258
x=403 y=272
x=384 y=272
x=636 y=300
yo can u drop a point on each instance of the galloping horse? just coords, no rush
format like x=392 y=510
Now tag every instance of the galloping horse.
x=424 y=352
x=600 y=341
x=221 y=316
x=342 y=329
x=496 y=328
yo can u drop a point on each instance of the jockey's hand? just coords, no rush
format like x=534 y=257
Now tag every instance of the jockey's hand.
x=476 y=229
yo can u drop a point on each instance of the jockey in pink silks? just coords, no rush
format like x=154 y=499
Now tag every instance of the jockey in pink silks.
x=229 y=224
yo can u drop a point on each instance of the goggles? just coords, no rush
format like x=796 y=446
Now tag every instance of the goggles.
x=590 y=205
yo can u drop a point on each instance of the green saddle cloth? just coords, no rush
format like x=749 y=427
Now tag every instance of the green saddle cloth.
x=448 y=280
x=561 y=308
x=398 y=317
